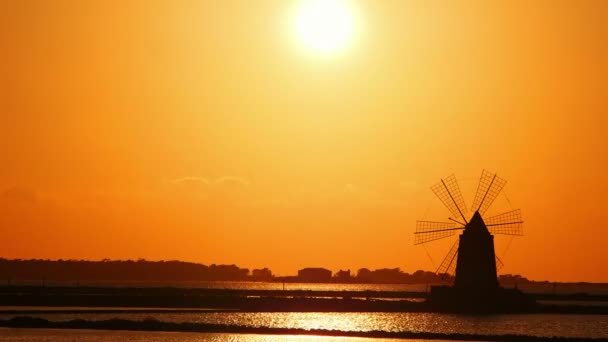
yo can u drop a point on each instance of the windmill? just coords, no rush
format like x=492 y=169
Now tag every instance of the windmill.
x=471 y=261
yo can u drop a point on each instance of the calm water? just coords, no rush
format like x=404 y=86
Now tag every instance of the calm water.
x=536 y=325
x=244 y=285
x=50 y=335
x=248 y=285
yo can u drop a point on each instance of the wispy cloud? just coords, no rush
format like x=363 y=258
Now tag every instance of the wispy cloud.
x=20 y=194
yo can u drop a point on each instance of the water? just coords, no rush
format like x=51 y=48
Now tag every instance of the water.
x=51 y=335
x=546 y=325
x=249 y=285
x=574 y=302
x=543 y=287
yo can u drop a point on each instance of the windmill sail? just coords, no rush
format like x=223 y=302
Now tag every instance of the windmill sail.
x=448 y=266
x=509 y=223
x=429 y=231
x=488 y=189
x=448 y=191
x=499 y=263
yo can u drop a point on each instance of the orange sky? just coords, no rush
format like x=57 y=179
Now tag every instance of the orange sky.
x=201 y=131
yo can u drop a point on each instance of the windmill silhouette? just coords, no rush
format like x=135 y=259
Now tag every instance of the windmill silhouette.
x=471 y=262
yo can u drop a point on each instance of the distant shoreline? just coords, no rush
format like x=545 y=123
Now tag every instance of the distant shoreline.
x=155 y=325
x=90 y=272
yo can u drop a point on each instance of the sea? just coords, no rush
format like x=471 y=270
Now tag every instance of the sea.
x=55 y=335
x=537 y=287
x=541 y=325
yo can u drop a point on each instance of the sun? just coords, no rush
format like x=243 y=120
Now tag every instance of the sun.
x=324 y=26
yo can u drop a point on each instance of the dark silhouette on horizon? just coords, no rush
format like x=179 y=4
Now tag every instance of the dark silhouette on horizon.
x=472 y=256
x=49 y=272
x=83 y=271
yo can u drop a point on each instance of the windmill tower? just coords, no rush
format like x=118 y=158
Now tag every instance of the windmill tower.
x=471 y=261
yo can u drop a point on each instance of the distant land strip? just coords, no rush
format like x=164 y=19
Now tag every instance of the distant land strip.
x=155 y=325
x=80 y=272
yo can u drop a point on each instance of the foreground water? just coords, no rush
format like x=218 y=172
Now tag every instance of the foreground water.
x=51 y=335
x=544 y=325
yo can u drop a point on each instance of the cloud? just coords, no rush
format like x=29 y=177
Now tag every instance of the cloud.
x=231 y=189
x=188 y=187
x=191 y=182
x=237 y=190
x=228 y=188
x=20 y=194
x=232 y=182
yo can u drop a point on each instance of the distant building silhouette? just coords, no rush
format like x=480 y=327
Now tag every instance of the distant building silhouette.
x=343 y=276
x=314 y=275
x=263 y=274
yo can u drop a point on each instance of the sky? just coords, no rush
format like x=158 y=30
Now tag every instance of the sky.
x=206 y=131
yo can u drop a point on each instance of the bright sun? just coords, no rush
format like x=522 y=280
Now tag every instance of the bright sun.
x=324 y=26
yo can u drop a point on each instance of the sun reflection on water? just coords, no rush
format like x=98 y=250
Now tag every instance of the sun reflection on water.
x=591 y=326
x=315 y=320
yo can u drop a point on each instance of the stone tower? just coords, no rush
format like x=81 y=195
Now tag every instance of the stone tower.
x=476 y=263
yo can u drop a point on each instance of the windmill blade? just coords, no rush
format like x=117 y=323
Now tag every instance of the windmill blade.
x=509 y=223
x=499 y=263
x=429 y=231
x=488 y=189
x=448 y=265
x=448 y=191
